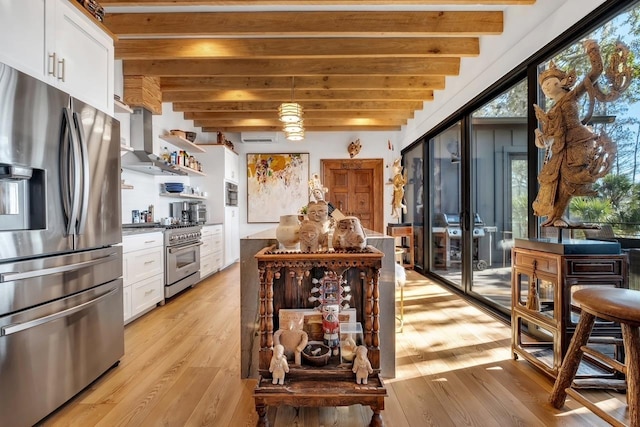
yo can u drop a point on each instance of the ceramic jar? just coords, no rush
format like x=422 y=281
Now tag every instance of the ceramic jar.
x=288 y=232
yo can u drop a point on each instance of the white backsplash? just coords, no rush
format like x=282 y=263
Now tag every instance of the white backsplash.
x=145 y=192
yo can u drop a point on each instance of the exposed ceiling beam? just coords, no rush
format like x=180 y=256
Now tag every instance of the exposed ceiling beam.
x=303 y=47
x=302 y=82
x=309 y=114
x=300 y=95
x=308 y=106
x=299 y=67
x=325 y=23
x=307 y=122
x=307 y=129
x=108 y=3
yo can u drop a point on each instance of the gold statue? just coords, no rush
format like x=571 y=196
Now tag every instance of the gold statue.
x=398 y=181
x=575 y=157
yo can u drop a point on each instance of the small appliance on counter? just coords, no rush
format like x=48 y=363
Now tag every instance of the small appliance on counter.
x=198 y=212
x=181 y=211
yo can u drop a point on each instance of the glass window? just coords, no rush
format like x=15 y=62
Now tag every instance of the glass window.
x=499 y=191
x=414 y=196
x=607 y=191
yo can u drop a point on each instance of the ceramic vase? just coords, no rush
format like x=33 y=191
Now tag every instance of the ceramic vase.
x=288 y=232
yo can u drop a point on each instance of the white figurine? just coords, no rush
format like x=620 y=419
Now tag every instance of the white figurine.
x=293 y=342
x=317 y=191
x=279 y=365
x=361 y=366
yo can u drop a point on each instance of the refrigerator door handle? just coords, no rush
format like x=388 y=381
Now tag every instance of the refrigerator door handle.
x=13 y=275
x=84 y=182
x=18 y=327
x=69 y=172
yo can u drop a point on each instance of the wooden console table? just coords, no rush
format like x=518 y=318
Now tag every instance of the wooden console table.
x=405 y=233
x=286 y=282
x=544 y=315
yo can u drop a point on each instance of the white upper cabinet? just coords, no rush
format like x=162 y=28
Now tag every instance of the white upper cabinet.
x=22 y=31
x=84 y=57
x=231 y=166
x=55 y=42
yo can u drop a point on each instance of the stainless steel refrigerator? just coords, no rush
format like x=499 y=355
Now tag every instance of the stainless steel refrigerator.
x=61 y=318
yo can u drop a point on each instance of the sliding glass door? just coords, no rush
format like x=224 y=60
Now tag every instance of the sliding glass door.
x=445 y=205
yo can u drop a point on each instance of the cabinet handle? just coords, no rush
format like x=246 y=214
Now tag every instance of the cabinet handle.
x=51 y=65
x=61 y=73
x=149 y=292
x=149 y=262
x=149 y=241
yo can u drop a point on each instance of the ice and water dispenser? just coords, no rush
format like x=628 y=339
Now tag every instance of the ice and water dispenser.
x=22 y=198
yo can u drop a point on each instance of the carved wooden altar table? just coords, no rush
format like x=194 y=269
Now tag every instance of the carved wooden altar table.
x=286 y=281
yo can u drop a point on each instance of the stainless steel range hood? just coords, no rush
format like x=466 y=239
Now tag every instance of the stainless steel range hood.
x=142 y=159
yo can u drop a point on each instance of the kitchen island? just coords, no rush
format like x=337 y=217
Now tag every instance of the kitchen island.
x=249 y=301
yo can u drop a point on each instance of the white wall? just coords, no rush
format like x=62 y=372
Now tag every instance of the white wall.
x=319 y=145
x=527 y=29
x=147 y=187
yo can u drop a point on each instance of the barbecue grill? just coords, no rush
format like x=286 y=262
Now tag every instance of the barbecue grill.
x=451 y=222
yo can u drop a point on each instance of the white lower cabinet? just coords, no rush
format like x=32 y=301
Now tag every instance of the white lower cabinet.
x=143 y=273
x=232 y=235
x=211 y=251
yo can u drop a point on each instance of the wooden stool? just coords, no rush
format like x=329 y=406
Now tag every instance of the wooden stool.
x=616 y=305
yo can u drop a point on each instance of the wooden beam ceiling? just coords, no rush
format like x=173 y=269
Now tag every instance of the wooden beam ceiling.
x=108 y=3
x=324 y=24
x=393 y=47
x=228 y=64
x=301 y=96
x=327 y=82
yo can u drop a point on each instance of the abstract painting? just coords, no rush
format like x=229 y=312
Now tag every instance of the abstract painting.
x=277 y=184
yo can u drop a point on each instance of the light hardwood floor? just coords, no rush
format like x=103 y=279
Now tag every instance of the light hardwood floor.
x=454 y=368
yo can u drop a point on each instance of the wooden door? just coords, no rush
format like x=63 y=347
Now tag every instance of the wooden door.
x=356 y=189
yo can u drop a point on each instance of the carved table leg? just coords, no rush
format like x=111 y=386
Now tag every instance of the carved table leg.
x=376 y=418
x=263 y=421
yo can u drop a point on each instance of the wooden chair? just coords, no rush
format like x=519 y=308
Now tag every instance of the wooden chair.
x=615 y=305
x=401 y=280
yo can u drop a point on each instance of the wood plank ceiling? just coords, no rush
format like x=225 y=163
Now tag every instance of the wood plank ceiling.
x=352 y=65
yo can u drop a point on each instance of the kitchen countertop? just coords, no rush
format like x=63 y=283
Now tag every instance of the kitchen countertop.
x=149 y=227
x=143 y=227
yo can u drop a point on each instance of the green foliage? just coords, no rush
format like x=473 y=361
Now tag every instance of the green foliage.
x=512 y=103
x=591 y=209
x=618 y=203
x=614 y=188
x=629 y=214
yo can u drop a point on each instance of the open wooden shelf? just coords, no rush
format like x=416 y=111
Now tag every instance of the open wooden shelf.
x=121 y=107
x=180 y=142
x=182 y=196
x=190 y=171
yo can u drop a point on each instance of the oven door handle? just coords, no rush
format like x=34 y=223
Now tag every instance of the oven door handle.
x=177 y=249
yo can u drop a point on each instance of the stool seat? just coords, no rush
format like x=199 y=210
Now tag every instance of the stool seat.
x=614 y=304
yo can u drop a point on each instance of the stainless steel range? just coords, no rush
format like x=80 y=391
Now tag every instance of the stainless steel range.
x=182 y=261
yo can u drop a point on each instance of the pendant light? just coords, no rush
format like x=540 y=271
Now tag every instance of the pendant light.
x=290 y=112
x=295 y=135
x=293 y=127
